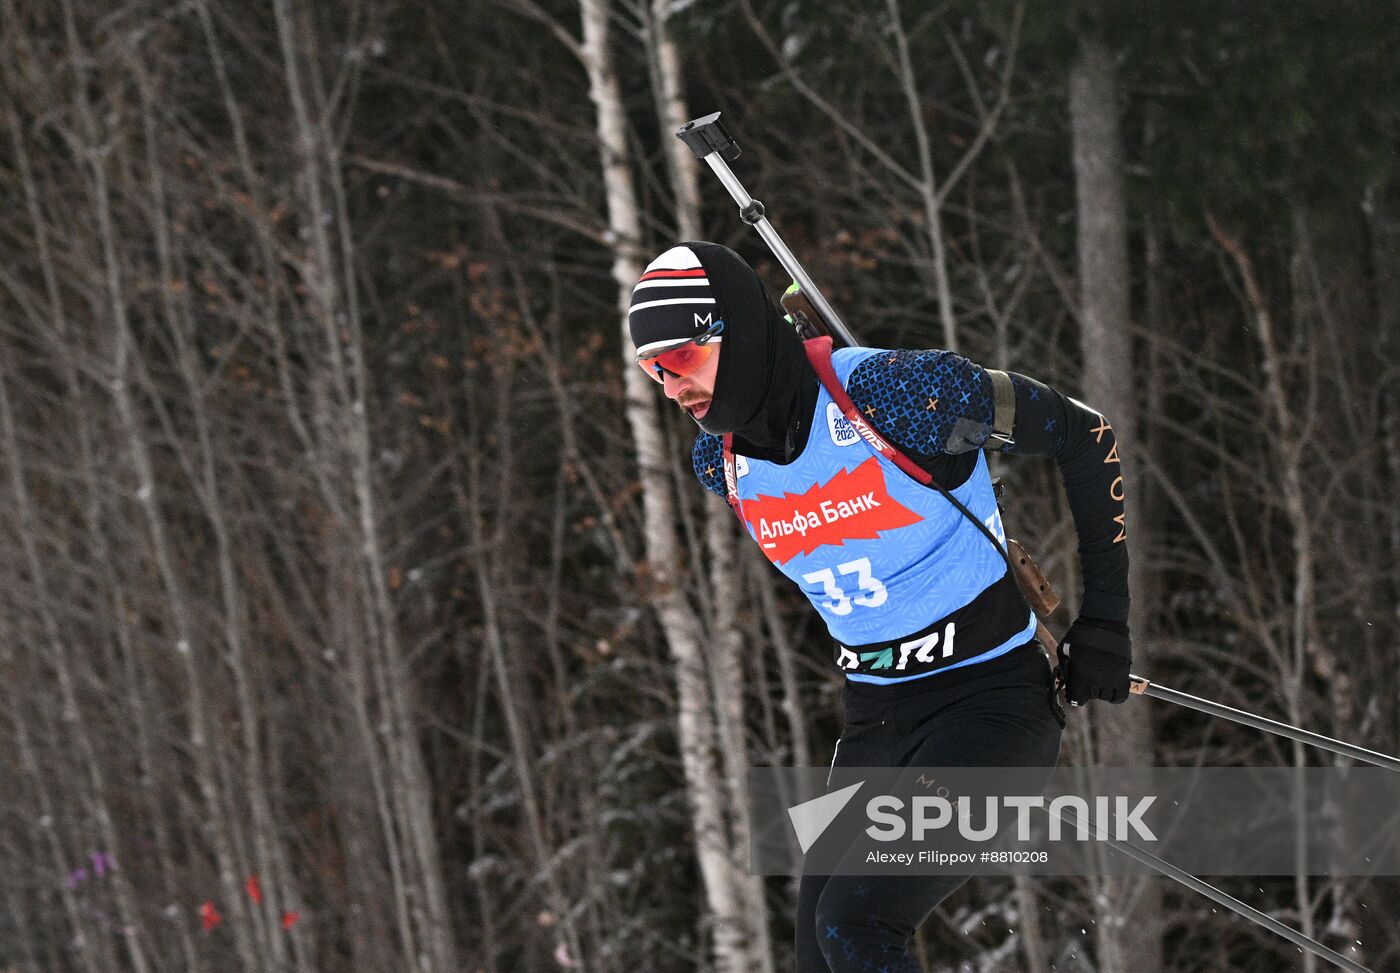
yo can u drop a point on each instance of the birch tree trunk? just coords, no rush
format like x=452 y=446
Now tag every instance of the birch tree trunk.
x=488 y=574
x=1128 y=937
x=268 y=854
x=1287 y=444
x=735 y=947
x=58 y=646
x=726 y=649
x=215 y=804
x=927 y=186
x=329 y=271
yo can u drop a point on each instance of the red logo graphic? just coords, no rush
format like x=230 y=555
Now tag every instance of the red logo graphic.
x=855 y=505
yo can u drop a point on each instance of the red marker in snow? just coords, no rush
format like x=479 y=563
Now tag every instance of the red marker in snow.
x=210 y=915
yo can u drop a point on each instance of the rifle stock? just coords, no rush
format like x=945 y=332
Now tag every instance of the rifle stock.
x=805 y=316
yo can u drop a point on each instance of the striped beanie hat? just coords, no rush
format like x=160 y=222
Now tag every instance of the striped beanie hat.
x=693 y=287
x=671 y=302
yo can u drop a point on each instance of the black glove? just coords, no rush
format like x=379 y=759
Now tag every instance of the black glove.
x=1095 y=656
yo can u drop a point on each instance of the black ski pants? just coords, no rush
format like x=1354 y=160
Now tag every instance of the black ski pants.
x=993 y=714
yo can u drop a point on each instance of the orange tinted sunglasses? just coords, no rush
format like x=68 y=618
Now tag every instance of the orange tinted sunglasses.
x=683 y=359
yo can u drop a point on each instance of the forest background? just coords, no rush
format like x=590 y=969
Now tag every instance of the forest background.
x=360 y=611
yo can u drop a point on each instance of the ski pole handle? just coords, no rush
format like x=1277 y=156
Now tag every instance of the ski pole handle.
x=708 y=140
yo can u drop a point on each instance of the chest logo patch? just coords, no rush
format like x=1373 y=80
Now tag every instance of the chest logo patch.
x=853 y=505
x=842 y=432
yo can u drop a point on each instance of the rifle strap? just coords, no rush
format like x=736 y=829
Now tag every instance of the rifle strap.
x=1003 y=410
x=731 y=477
x=819 y=356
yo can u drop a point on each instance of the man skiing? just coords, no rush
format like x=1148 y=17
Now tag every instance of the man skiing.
x=935 y=641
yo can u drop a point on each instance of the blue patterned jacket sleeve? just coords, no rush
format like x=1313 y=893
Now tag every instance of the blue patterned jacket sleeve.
x=707 y=459
x=917 y=398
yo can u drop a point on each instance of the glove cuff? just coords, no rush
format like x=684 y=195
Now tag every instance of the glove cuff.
x=1118 y=625
x=1097 y=636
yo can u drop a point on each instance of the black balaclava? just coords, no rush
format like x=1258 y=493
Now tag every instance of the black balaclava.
x=765 y=390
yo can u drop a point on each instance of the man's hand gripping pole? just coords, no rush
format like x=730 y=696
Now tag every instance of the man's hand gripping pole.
x=709 y=141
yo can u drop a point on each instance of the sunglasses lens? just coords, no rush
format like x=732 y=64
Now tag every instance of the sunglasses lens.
x=685 y=359
x=679 y=362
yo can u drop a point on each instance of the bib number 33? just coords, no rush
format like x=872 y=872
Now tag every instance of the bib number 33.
x=872 y=593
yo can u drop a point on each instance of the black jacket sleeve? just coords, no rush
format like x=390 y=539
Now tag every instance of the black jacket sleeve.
x=1049 y=423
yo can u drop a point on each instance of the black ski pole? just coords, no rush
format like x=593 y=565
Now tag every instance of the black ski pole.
x=708 y=140
x=1145 y=687
x=1214 y=894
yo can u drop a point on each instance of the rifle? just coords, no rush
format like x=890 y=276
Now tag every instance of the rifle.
x=808 y=309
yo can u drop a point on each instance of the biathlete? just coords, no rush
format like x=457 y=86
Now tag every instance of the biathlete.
x=932 y=634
